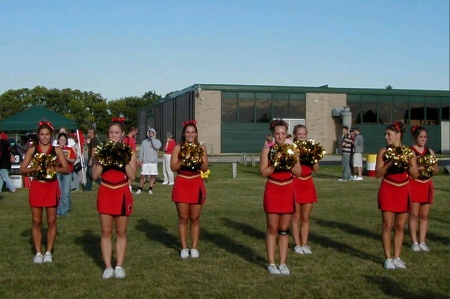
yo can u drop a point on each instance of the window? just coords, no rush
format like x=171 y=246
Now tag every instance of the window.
x=400 y=109
x=384 y=109
x=432 y=111
x=369 y=108
x=246 y=107
x=354 y=102
x=297 y=105
x=416 y=110
x=229 y=106
x=280 y=105
x=262 y=106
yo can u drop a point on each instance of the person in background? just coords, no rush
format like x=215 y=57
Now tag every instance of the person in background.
x=65 y=180
x=346 y=154
x=168 y=148
x=93 y=143
x=358 y=148
x=269 y=141
x=130 y=139
x=44 y=190
x=279 y=201
x=189 y=192
x=6 y=159
x=422 y=192
x=394 y=196
x=114 y=201
x=305 y=195
x=148 y=160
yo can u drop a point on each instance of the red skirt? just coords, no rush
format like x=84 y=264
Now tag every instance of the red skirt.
x=44 y=194
x=421 y=190
x=114 y=199
x=394 y=193
x=189 y=188
x=279 y=196
x=304 y=190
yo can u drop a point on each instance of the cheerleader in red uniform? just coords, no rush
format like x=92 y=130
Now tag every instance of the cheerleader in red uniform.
x=279 y=203
x=394 y=196
x=189 y=192
x=114 y=199
x=305 y=196
x=44 y=189
x=421 y=192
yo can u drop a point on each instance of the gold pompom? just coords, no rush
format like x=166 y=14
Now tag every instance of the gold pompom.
x=284 y=156
x=428 y=162
x=310 y=151
x=46 y=165
x=191 y=156
x=401 y=155
x=112 y=153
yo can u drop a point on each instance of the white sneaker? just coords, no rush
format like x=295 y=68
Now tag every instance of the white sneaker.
x=38 y=258
x=165 y=183
x=284 y=270
x=131 y=189
x=195 y=254
x=298 y=250
x=150 y=192
x=171 y=183
x=389 y=265
x=272 y=268
x=398 y=263
x=108 y=273
x=119 y=273
x=47 y=257
x=415 y=247
x=358 y=178
x=424 y=247
x=306 y=249
x=139 y=191
x=184 y=254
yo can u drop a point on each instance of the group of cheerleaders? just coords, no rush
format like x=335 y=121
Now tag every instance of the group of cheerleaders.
x=288 y=197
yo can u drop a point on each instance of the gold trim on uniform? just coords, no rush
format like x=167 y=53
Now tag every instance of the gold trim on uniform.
x=188 y=176
x=422 y=180
x=114 y=186
x=280 y=183
x=304 y=178
x=399 y=184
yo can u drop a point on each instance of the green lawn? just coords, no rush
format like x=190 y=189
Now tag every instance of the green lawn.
x=347 y=259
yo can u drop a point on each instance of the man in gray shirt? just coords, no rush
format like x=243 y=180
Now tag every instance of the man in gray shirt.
x=358 y=148
x=148 y=160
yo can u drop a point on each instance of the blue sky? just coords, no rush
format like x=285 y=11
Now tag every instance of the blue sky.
x=126 y=48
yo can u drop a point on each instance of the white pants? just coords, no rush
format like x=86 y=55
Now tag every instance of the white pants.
x=168 y=174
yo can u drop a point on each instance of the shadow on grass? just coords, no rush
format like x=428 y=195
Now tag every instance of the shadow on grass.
x=233 y=247
x=351 y=229
x=327 y=176
x=27 y=233
x=392 y=288
x=158 y=233
x=436 y=238
x=244 y=228
x=90 y=243
x=344 y=248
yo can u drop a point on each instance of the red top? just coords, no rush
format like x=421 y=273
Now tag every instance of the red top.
x=170 y=145
x=69 y=153
x=130 y=141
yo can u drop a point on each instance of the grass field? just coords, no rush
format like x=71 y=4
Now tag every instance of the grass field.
x=347 y=259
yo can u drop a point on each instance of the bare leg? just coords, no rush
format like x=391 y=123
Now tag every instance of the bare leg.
x=52 y=230
x=423 y=226
x=36 y=232
x=183 y=217
x=271 y=236
x=106 y=222
x=304 y=231
x=151 y=181
x=295 y=225
x=121 y=241
x=413 y=219
x=283 y=240
x=399 y=234
x=388 y=224
x=194 y=217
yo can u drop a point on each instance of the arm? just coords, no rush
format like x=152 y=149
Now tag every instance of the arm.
x=413 y=170
x=205 y=165
x=92 y=156
x=175 y=163
x=297 y=169
x=315 y=167
x=73 y=156
x=130 y=168
x=264 y=167
x=381 y=167
x=97 y=169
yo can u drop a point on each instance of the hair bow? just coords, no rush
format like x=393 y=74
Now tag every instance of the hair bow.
x=118 y=119
x=397 y=126
x=46 y=124
x=189 y=122
x=414 y=128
